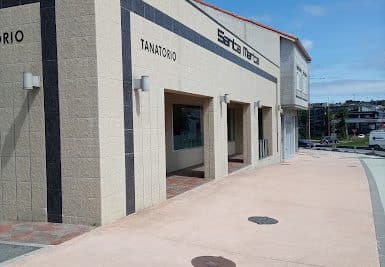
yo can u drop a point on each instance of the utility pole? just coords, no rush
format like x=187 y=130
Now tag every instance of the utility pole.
x=328 y=118
x=309 y=114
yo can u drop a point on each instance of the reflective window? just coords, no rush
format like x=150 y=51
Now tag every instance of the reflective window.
x=231 y=124
x=187 y=126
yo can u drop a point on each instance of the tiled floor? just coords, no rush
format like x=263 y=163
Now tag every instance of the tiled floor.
x=236 y=163
x=40 y=233
x=184 y=180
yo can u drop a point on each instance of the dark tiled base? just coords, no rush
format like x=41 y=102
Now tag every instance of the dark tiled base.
x=8 y=252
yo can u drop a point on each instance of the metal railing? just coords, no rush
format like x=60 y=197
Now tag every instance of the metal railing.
x=263 y=148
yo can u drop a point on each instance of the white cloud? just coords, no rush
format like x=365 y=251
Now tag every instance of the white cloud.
x=308 y=44
x=346 y=89
x=315 y=10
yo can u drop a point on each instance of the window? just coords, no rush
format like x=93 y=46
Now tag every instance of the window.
x=304 y=87
x=230 y=124
x=187 y=124
x=299 y=80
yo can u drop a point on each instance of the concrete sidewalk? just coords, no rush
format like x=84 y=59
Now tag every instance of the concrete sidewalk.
x=320 y=199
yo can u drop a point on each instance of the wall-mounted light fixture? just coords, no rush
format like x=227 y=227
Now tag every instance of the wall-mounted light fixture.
x=226 y=99
x=143 y=84
x=258 y=104
x=30 y=82
x=279 y=109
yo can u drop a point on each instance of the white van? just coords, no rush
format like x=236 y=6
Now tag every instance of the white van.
x=377 y=139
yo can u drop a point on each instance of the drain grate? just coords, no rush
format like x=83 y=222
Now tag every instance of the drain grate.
x=263 y=220
x=211 y=261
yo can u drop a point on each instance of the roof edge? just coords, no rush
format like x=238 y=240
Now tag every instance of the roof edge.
x=288 y=36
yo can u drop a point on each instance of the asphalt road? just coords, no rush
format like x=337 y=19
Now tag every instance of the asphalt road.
x=350 y=150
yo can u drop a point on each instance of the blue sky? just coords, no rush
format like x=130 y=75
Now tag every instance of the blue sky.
x=346 y=39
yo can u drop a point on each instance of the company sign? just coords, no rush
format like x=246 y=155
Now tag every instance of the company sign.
x=237 y=47
x=11 y=37
x=158 y=50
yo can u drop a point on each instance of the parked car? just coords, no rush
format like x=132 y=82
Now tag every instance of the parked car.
x=377 y=139
x=329 y=140
x=305 y=143
x=361 y=136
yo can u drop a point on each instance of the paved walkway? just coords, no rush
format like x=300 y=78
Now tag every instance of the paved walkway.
x=321 y=201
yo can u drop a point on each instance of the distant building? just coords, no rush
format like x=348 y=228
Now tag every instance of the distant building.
x=361 y=118
x=364 y=118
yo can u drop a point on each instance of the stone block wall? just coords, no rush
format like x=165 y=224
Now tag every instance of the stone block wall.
x=22 y=128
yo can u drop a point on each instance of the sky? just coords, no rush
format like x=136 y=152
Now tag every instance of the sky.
x=345 y=38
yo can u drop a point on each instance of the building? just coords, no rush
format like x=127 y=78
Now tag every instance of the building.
x=360 y=117
x=364 y=118
x=129 y=91
x=286 y=52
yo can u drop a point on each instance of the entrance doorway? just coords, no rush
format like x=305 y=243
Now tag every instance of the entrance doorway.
x=265 y=132
x=289 y=138
x=239 y=146
x=185 y=124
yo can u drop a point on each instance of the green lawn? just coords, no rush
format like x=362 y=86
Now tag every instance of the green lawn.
x=355 y=142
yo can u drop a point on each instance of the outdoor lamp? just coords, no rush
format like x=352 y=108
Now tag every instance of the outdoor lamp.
x=30 y=82
x=226 y=99
x=279 y=109
x=143 y=84
x=258 y=104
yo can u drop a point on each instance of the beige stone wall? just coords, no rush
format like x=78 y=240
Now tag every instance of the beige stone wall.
x=91 y=111
x=264 y=41
x=110 y=107
x=196 y=71
x=79 y=122
x=23 y=187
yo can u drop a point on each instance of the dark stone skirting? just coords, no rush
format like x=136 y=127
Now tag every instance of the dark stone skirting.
x=128 y=111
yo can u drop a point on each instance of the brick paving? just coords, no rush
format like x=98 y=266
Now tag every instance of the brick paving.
x=177 y=185
x=184 y=180
x=236 y=163
x=40 y=233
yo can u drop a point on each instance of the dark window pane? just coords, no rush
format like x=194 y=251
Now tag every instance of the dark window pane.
x=187 y=124
x=231 y=124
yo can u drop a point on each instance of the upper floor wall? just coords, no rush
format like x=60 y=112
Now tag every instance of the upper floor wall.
x=294 y=76
x=265 y=41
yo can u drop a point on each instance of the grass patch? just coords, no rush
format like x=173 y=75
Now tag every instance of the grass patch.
x=355 y=142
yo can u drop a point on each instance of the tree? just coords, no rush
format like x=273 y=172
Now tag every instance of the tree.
x=341 y=123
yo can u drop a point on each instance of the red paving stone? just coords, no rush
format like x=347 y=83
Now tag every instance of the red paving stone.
x=177 y=185
x=40 y=233
x=235 y=163
x=184 y=180
x=5 y=228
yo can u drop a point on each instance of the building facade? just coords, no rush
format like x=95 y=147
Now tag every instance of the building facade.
x=286 y=52
x=129 y=91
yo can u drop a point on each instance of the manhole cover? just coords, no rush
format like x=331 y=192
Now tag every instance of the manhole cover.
x=263 y=220
x=211 y=261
